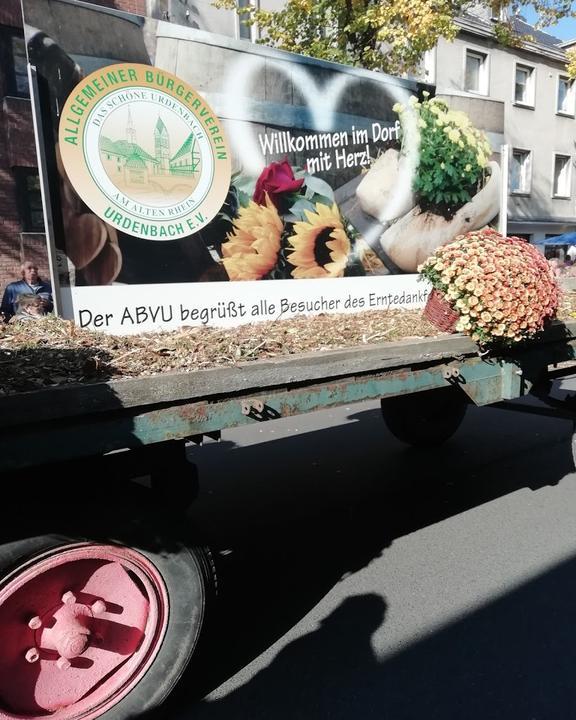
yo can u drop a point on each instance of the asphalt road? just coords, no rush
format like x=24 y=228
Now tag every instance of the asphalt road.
x=363 y=579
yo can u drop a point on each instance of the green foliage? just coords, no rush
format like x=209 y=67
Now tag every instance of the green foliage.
x=571 y=66
x=387 y=35
x=453 y=156
x=505 y=35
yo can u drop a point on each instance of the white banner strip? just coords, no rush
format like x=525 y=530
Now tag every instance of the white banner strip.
x=128 y=309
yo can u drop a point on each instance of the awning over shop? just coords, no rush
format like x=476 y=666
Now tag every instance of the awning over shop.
x=568 y=238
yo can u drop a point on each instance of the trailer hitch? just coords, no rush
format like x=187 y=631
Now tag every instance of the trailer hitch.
x=258 y=410
x=451 y=373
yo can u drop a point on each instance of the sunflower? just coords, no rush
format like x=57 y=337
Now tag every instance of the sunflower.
x=321 y=246
x=251 y=250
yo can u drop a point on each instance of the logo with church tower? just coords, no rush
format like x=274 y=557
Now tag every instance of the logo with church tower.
x=142 y=164
x=145 y=151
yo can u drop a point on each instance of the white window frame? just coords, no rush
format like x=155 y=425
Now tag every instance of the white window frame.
x=484 y=75
x=560 y=195
x=252 y=28
x=530 y=85
x=528 y=189
x=429 y=65
x=571 y=96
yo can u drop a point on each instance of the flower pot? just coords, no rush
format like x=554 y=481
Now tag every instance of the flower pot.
x=413 y=238
x=439 y=312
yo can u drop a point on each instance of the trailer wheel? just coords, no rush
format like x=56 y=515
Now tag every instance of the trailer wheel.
x=426 y=418
x=95 y=629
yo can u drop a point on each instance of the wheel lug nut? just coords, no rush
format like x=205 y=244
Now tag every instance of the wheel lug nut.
x=62 y=663
x=32 y=655
x=98 y=607
x=35 y=623
x=68 y=598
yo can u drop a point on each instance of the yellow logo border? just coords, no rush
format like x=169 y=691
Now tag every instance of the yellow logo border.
x=90 y=93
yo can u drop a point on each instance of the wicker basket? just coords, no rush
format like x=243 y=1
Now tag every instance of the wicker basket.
x=439 y=312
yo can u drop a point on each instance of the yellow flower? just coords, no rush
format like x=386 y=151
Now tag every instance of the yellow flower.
x=321 y=246
x=482 y=160
x=251 y=250
x=454 y=135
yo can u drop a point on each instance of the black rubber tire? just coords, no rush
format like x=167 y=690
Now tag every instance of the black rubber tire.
x=187 y=575
x=427 y=418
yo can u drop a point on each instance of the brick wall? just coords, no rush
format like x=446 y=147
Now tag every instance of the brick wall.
x=11 y=14
x=17 y=149
x=138 y=7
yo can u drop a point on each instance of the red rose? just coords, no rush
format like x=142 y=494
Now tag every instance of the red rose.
x=276 y=179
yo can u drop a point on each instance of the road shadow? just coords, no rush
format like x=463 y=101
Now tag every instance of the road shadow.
x=294 y=516
x=63 y=430
x=295 y=685
x=510 y=660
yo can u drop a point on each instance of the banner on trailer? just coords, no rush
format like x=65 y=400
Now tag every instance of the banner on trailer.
x=193 y=179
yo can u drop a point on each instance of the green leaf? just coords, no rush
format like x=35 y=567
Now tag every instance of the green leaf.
x=318 y=187
x=244 y=198
x=300 y=205
x=245 y=184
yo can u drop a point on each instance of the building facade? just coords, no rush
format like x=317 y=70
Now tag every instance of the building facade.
x=521 y=97
x=21 y=217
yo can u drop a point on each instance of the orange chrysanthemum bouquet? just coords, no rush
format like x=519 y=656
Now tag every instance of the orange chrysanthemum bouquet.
x=499 y=290
x=288 y=227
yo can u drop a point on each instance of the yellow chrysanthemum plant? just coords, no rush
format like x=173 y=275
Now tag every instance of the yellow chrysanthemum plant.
x=289 y=227
x=500 y=289
x=453 y=156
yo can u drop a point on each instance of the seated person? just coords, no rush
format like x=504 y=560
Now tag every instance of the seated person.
x=31 y=283
x=28 y=307
x=556 y=265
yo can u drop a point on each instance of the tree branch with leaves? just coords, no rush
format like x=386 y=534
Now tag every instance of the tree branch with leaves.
x=386 y=35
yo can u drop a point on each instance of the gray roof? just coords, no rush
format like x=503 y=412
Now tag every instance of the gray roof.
x=543 y=38
x=539 y=42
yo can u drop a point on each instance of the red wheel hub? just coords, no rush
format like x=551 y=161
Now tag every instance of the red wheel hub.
x=80 y=626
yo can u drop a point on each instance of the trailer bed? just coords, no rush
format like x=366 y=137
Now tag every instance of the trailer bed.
x=90 y=419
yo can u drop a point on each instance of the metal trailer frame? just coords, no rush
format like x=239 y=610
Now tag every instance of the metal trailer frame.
x=64 y=423
x=63 y=543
